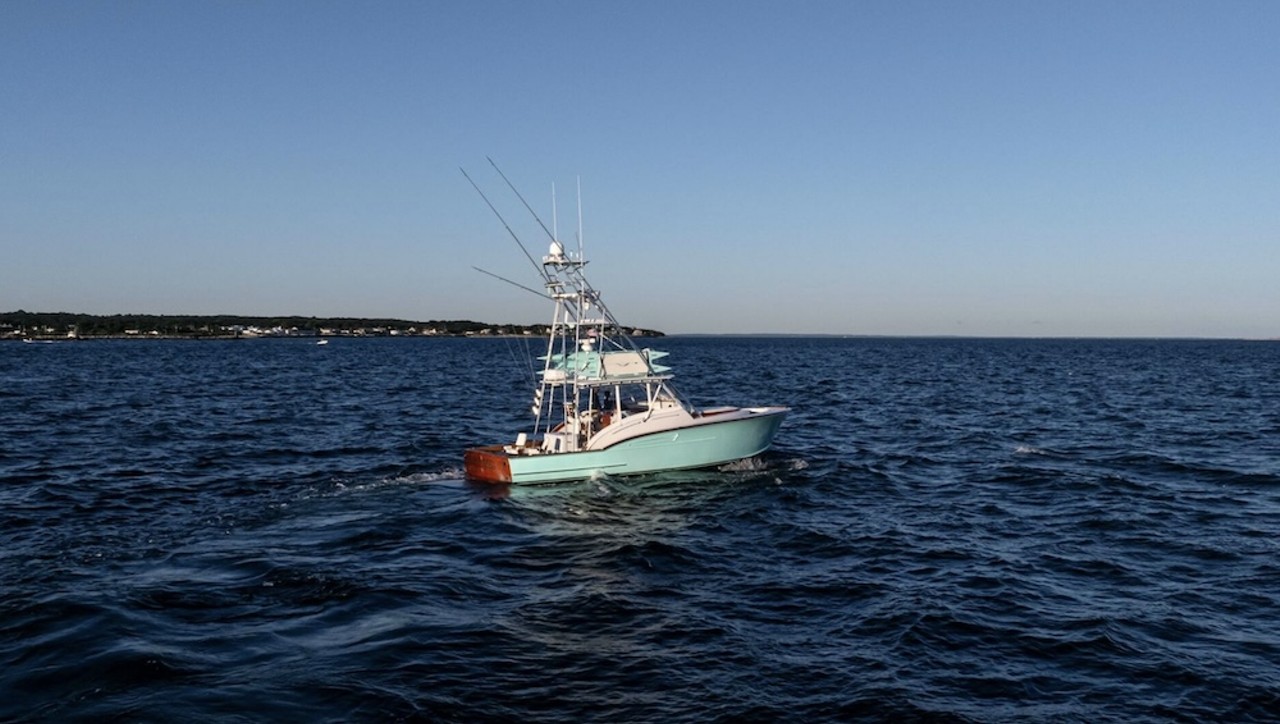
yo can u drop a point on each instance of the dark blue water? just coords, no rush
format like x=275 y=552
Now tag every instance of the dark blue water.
x=963 y=530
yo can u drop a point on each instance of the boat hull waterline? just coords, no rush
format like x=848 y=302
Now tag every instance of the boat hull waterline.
x=708 y=442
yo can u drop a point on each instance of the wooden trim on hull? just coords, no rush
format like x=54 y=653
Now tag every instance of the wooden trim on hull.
x=487 y=464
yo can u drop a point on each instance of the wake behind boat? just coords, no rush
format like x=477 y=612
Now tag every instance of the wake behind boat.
x=604 y=405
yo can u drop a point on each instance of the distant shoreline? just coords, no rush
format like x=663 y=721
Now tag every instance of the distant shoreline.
x=47 y=339
x=56 y=326
x=230 y=338
x=47 y=326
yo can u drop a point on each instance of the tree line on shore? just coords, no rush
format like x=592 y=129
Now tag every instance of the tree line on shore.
x=23 y=324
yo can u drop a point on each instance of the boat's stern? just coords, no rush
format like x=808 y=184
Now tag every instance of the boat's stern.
x=489 y=464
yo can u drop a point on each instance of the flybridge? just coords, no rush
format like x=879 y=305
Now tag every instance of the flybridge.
x=592 y=366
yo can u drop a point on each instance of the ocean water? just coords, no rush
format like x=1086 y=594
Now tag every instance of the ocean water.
x=946 y=529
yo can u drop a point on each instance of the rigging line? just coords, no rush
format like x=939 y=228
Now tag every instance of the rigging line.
x=541 y=272
x=512 y=353
x=528 y=360
x=531 y=290
x=517 y=193
x=522 y=362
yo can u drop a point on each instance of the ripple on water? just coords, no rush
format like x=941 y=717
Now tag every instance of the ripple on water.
x=953 y=530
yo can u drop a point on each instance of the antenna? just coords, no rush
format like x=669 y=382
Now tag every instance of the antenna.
x=580 y=252
x=555 y=231
x=541 y=272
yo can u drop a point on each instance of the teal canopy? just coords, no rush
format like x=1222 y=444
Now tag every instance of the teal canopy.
x=617 y=365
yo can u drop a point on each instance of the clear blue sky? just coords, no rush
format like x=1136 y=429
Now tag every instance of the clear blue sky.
x=1021 y=168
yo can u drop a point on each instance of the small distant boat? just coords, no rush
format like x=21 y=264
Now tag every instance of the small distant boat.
x=323 y=341
x=604 y=406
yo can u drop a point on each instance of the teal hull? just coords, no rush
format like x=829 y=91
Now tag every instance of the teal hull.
x=697 y=446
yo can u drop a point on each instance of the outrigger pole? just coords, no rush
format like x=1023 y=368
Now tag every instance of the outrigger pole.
x=517 y=193
x=531 y=290
x=541 y=272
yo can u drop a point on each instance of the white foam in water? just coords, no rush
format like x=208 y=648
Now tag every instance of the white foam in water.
x=758 y=464
x=448 y=474
x=340 y=487
x=1027 y=450
x=745 y=465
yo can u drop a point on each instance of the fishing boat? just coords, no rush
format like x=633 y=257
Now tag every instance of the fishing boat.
x=604 y=405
